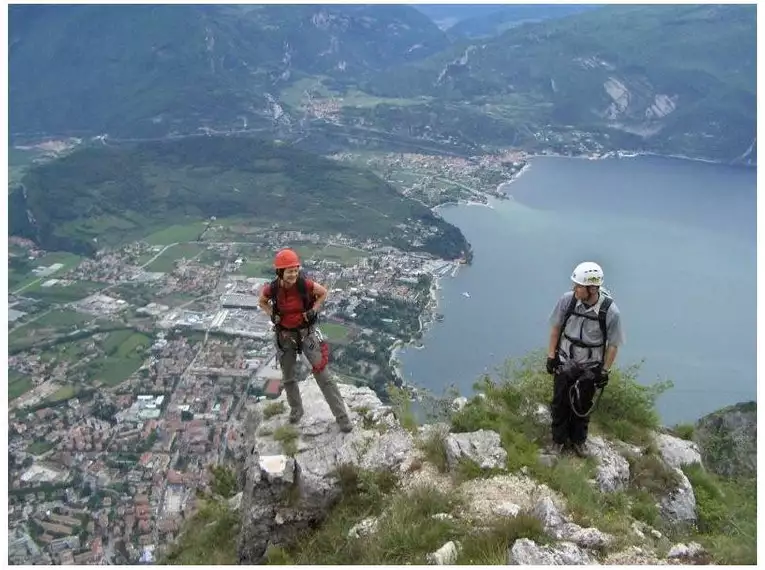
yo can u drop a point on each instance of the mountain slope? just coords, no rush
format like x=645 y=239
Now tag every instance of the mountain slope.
x=681 y=77
x=123 y=193
x=506 y=17
x=150 y=70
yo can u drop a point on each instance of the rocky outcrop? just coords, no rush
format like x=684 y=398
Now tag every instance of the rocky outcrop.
x=556 y=525
x=678 y=507
x=291 y=478
x=483 y=447
x=286 y=495
x=728 y=440
x=613 y=472
x=677 y=452
x=527 y=552
x=446 y=555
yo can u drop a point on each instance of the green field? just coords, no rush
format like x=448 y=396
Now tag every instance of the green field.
x=256 y=268
x=122 y=357
x=294 y=95
x=64 y=294
x=124 y=342
x=18 y=384
x=39 y=447
x=63 y=393
x=73 y=352
x=21 y=281
x=174 y=299
x=334 y=332
x=177 y=233
x=62 y=318
x=112 y=371
x=166 y=262
x=344 y=255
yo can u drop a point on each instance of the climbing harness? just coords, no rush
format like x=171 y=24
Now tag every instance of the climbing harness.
x=293 y=333
x=585 y=375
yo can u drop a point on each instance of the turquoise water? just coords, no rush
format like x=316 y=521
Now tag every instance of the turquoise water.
x=677 y=240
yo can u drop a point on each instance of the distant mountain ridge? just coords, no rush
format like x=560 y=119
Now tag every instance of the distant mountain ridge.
x=681 y=79
x=677 y=80
x=155 y=69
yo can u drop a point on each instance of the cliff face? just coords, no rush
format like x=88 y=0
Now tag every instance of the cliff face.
x=475 y=486
x=292 y=478
x=728 y=438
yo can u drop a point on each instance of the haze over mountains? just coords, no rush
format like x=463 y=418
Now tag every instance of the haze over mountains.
x=668 y=79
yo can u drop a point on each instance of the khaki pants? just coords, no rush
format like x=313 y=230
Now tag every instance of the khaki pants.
x=316 y=351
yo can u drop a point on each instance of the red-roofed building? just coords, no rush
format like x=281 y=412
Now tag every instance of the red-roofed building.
x=273 y=388
x=174 y=478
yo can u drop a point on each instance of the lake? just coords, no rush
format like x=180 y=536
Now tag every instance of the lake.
x=677 y=242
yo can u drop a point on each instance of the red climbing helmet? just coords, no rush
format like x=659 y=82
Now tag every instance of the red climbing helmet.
x=286 y=258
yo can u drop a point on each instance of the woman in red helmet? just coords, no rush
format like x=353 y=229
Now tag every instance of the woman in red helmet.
x=292 y=301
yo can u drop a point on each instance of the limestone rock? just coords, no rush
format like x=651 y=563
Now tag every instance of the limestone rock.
x=364 y=528
x=483 y=447
x=677 y=452
x=556 y=525
x=526 y=552
x=283 y=495
x=446 y=555
x=613 y=472
x=680 y=550
x=547 y=512
x=506 y=509
x=678 y=507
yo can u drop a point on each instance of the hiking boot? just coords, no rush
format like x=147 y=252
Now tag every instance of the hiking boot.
x=556 y=449
x=295 y=415
x=345 y=424
x=580 y=449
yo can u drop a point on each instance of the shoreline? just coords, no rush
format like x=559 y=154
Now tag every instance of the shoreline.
x=621 y=153
x=427 y=317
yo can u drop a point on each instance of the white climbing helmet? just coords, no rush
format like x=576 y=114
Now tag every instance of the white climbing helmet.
x=588 y=274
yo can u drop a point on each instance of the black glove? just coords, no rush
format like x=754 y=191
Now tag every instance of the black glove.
x=601 y=378
x=310 y=315
x=552 y=364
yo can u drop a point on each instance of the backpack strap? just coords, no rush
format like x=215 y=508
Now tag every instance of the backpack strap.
x=569 y=311
x=274 y=290
x=304 y=295
x=602 y=313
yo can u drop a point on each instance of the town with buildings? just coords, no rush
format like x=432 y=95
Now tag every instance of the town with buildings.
x=127 y=371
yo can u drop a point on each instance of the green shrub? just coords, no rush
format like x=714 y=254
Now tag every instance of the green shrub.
x=650 y=473
x=644 y=508
x=273 y=409
x=223 y=481
x=490 y=547
x=727 y=515
x=208 y=538
x=627 y=409
x=684 y=431
x=287 y=435
x=434 y=447
x=402 y=407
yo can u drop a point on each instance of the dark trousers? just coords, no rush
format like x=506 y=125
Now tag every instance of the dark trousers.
x=567 y=426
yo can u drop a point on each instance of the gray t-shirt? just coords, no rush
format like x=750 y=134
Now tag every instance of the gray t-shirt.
x=586 y=330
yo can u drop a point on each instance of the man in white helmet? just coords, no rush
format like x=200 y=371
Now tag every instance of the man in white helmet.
x=585 y=336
